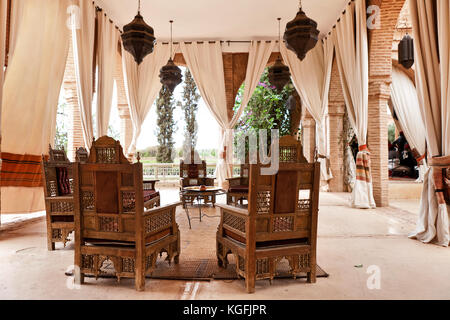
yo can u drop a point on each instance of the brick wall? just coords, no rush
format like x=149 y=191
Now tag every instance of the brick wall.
x=380 y=70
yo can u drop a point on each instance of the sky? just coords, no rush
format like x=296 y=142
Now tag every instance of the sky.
x=208 y=130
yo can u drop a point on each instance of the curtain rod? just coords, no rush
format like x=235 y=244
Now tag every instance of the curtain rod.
x=221 y=41
x=338 y=20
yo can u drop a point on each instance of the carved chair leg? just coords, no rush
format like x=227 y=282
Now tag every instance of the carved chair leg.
x=140 y=280
x=50 y=245
x=311 y=276
x=79 y=277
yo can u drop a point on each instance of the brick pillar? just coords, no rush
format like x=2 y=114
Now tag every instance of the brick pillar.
x=75 y=131
x=336 y=111
x=381 y=42
x=126 y=126
x=309 y=135
x=379 y=94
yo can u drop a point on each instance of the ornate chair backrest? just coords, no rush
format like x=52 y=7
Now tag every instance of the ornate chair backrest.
x=291 y=150
x=284 y=207
x=109 y=193
x=193 y=170
x=108 y=151
x=57 y=174
x=81 y=155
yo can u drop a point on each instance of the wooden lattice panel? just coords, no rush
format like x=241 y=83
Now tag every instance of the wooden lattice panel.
x=106 y=155
x=158 y=222
x=234 y=222
x=288 y=154
x=128 y=265
x=128 y=202
x=263 y=202
x=62 y=206
x=108 y=224
x=283 y=224
x=87 y=201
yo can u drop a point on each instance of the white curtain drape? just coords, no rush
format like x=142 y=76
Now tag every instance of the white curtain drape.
x=83 y=36
x=143 y=85
x=31 y=91
x=431 y=20
x=3 y=17
x=406 y=105
x=205 y=61
x=352 y=57
x=311 y=78
x=14 y=23
x=108 y=37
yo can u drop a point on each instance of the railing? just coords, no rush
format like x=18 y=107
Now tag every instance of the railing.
x=171 y=171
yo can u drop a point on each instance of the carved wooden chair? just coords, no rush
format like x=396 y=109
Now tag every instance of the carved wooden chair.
x=238 y=187
x=112 y=226
x=57 y=178
x=195 y=174
x=281 y=220
x=81 y=155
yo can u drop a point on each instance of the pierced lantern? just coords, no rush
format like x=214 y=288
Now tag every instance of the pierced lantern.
x=406 y=52
x=301 y=34
x=138 y=38
x=279 y=74
x=170 y=75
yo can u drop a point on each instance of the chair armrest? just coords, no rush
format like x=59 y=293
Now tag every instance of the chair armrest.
x=157 y=210
x=149 y=184
x=232 y=209
x=209 y=181
x=234 y=181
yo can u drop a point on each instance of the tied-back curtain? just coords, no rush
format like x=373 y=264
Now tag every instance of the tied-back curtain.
x=406 y=106
x=143 y=85
x=3 y=17
x=205 y=61
x=30 y=99
x=431 y=20
x=311 y=78
x=350 y=40
x=258 y=56
x=83 y=36
x=107 y=37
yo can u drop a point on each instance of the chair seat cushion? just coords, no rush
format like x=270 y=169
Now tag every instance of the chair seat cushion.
x=239 y=189
x=150 y=194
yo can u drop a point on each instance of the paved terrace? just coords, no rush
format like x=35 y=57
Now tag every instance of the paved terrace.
x=347 y=238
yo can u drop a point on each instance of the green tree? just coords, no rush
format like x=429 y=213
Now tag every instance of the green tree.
x=166 y=126
x=61 y=133
x=190 y=107
x=267 y=108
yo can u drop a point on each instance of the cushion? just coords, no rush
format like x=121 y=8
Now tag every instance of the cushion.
x=240 y=189
x=150 y=194
x=63 y=181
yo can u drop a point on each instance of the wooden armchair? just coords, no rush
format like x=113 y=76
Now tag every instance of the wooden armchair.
x=194 y=174
x=238 y=187
x=57 y=176
x=111 y=223
x=281 y=221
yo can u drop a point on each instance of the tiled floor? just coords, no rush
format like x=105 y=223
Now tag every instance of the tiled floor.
x=350 y=241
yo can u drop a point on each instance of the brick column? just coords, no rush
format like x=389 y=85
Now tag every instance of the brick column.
x=336 y=111
x=379 y=94
x=309 y=135
x=126 y=126
x=75 y=131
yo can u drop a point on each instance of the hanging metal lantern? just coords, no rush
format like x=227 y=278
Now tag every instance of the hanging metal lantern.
x=138 y=38
x=279 y=74
x=406 y=52
x=170 y=74
x=301 y=34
